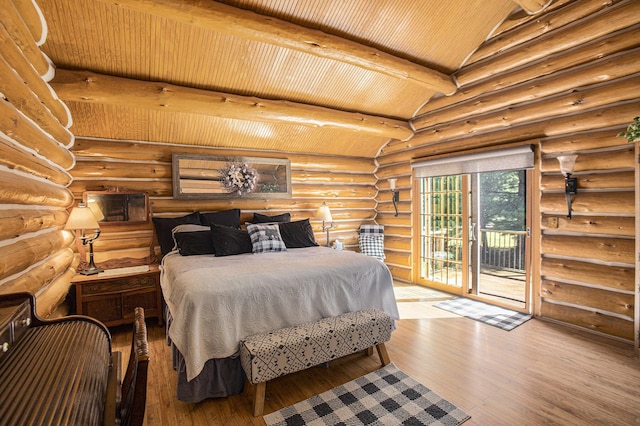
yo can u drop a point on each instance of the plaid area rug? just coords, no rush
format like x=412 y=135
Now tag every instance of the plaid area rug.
x=496 y=316
x=385 y=397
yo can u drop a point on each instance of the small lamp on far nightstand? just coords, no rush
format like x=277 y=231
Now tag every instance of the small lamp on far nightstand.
x=324 y=214
x=81 y=219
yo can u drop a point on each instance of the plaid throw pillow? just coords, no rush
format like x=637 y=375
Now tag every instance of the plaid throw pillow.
x=266 y=238
x=372 y=230
x=372 y=245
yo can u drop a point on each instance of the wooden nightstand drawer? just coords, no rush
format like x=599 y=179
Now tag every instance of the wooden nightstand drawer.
x=117 y=285
x=145 y=299
x=106 y=309
x=112 y=299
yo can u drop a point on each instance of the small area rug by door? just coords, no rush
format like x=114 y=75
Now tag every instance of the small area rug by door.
x=496 y=316
x=385 y=397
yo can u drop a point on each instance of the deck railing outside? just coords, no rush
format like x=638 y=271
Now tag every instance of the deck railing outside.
x=503 y=250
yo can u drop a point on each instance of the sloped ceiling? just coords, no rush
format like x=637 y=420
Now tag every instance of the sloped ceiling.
x=330 y=77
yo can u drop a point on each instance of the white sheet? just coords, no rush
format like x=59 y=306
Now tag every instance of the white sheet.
x=217 y=301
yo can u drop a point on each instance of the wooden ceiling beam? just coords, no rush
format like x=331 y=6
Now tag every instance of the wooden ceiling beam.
x=88 y=87
x=220 y=17
x=533 y=7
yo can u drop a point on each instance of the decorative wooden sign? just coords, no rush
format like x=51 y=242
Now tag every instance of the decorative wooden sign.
x=204 y=176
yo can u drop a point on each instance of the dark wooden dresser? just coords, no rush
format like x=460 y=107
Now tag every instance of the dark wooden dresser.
x=58 y=372
x=111 y=298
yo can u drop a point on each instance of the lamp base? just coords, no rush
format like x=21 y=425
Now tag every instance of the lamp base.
x=91 y=271
x=326 y=229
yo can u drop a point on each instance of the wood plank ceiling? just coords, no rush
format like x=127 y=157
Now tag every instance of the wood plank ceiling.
x=330 y=77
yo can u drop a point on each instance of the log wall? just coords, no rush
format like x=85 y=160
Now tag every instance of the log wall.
x=35 y=253
x=347 y=185
x=569 y=78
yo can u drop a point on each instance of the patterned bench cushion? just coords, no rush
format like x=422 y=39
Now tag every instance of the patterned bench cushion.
x=266 y=356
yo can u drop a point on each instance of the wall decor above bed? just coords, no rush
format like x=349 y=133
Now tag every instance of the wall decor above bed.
x=205 y=176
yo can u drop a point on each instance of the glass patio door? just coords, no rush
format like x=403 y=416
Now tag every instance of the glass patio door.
x=499 y=243
x=472 y=227
x=474 y=236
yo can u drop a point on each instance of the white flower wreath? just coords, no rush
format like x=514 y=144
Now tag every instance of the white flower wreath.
x=239 y=178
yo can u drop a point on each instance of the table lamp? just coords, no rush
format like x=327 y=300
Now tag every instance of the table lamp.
x=82 y=218
x=324 y=214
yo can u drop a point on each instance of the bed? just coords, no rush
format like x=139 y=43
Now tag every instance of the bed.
x=213 y=302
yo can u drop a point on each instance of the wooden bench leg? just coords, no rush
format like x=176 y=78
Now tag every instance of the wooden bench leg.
x=258 y=399
x=382 y=353
x=369 y=351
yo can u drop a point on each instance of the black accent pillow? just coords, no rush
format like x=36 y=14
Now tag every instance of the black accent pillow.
x=194 y=243
x=228 y=241
x=297 y=234
x=164 y=226
x=229 y=217
x=263 y=218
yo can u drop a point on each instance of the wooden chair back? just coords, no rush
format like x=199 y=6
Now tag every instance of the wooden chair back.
x=134 y=385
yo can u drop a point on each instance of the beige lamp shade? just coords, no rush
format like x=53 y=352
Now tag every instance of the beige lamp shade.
x=324 y=213
x=81 y=217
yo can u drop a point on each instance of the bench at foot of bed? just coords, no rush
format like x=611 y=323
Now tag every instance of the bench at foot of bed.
x=266 y=356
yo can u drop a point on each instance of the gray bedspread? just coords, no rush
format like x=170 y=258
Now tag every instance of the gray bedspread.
x=217 y=301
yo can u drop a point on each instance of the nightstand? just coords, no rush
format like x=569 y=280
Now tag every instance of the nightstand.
x=112 y=298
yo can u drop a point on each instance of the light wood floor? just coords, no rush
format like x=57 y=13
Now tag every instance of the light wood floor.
x=538 y=374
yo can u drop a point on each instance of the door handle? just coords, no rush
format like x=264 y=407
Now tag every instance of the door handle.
x=473 y=232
